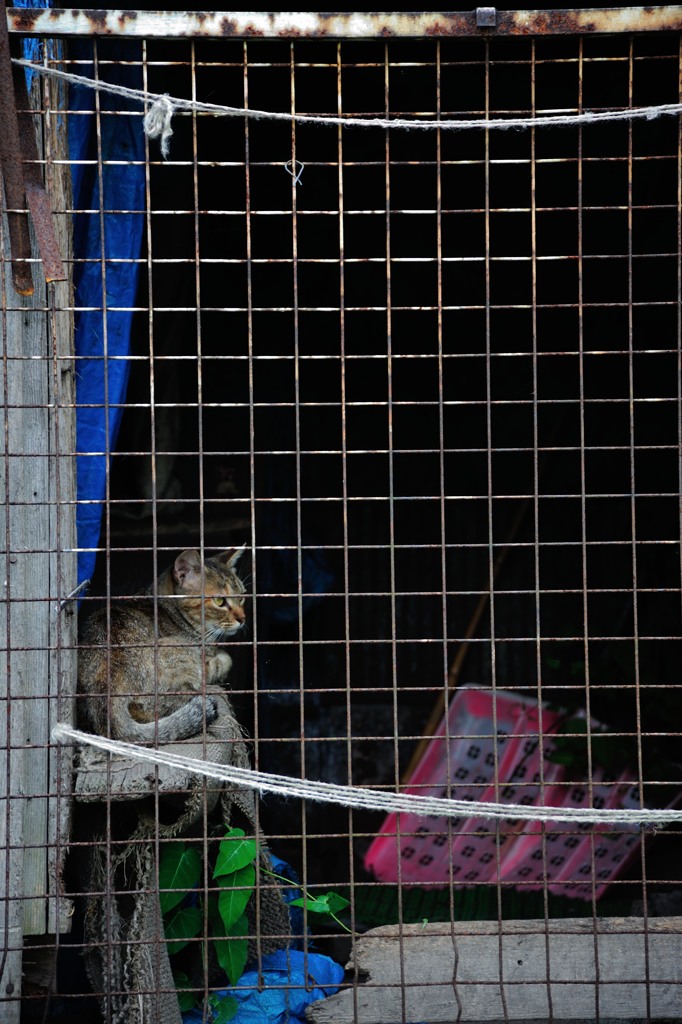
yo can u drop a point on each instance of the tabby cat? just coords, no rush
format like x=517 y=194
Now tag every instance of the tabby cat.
x=146 y=673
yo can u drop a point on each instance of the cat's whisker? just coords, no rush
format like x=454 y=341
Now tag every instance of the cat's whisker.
x=218 y=634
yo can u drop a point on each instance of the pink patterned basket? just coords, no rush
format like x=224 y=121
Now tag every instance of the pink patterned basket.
x=486 y=728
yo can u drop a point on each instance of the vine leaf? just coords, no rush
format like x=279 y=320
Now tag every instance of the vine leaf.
x=186 y=998
x=224 y=1008
x=179 y=872
x=331 y=903
x=233 y=950
x=234 y=894
x=182 y=925
x=235 y=852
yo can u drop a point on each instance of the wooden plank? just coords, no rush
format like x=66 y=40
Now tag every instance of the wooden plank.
x=519 y=971
x=12 y=732
x=37 y=645
x=62 y=486
x=40 y=479
x=28 y=486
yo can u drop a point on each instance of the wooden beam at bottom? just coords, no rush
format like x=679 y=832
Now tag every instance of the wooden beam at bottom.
x=518 y=971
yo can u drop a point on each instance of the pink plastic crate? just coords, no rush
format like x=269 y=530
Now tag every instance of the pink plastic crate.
x=418 y=849
x=572 y=857
x=526 y=772
x=484 y=727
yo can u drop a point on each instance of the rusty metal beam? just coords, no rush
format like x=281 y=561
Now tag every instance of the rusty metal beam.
x=336 y=25
x=36 y=197
x=22 y=182
x=12 y=174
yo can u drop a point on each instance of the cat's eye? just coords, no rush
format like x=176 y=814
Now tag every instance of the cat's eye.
x=220 y=601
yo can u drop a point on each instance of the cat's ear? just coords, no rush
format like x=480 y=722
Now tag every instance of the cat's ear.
x=187 y=568
x=231 y=557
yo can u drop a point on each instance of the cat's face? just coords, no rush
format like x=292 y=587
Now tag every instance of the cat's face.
x=213 y=599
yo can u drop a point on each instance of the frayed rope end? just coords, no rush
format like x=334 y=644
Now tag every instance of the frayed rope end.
x=157 y=122
x=60 y=733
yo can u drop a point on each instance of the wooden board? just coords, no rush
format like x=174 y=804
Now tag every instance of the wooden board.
x=62 y=484
x=37 y=641
x=521 y=971
x=40 y=483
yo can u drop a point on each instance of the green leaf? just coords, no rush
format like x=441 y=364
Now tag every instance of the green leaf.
x=233 y=950
x=187 y=1000
x=234 y=895
x=181 y=925
x=215 y=921
x=234 y=852
x=331 y=903
x=318 y=905
x=224 y=1008
x=179 y=872
x=336 y=902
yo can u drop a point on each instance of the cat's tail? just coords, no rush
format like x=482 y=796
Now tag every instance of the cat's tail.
x=185 y=721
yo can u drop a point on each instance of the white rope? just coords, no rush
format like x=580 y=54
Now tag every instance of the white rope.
x=157 y=122
x=173 y=103
x=366 y=799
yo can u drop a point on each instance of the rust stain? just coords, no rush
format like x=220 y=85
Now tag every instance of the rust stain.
x=590 y=20
x=22 y=19
x=36 y=196
x=630 y=19
x=41 y=215
x=99 y=21
x=227 y=26
x=463 y=25
x=232 y=28
x=12 y=171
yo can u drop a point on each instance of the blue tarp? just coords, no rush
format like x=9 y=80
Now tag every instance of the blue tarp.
x=288 y=981
x=113 y=225
x=100 y=392
x=278 y=993
x=119 y=235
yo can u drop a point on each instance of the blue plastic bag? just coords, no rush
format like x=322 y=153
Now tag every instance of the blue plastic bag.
x=288 y=981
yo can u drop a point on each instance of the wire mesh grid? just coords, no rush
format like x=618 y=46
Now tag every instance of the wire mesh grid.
x=431 y=381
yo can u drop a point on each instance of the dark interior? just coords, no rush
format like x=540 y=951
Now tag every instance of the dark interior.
x=507 y=383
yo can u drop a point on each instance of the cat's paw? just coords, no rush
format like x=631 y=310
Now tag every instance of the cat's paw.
x=218 y=667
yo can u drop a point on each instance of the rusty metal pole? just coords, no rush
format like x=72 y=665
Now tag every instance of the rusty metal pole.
x=37 y=198
x=12 y=176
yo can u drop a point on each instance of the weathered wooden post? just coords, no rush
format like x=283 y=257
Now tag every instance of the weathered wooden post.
x=38 y=563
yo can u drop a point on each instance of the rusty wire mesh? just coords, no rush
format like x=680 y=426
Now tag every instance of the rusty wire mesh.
x=432 y=380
